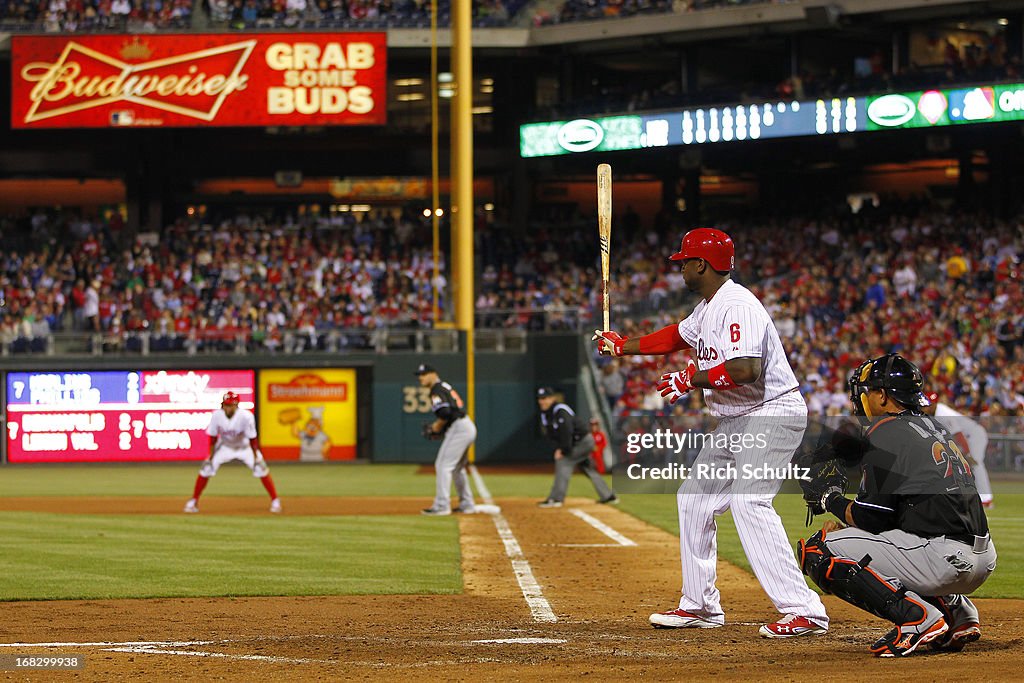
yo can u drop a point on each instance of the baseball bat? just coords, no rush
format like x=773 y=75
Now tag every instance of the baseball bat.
x=604 y=228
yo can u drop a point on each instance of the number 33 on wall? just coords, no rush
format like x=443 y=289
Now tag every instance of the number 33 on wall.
x=415 y=399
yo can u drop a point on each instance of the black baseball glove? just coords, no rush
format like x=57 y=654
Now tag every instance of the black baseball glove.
x=825 y=478
x=429 y=433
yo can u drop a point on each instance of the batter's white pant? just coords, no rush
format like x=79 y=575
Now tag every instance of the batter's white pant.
x=450 y=465
x=225 y=454
x=781 y=424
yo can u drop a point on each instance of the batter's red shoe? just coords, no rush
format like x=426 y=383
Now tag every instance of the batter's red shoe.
x=680 y=618
x=792 y=626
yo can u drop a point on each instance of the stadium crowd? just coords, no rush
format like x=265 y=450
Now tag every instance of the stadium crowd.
x=297 y=284
x=85 y=16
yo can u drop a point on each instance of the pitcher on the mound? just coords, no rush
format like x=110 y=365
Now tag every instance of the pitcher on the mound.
x=749 y=385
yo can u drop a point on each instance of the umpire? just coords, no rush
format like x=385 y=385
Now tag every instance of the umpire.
x=457 y=433
x=574 y=443
x=915 y=541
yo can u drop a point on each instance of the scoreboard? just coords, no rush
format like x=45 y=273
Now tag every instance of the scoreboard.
x=121 y=415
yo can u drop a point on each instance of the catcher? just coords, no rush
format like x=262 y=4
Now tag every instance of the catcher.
x=915 y=542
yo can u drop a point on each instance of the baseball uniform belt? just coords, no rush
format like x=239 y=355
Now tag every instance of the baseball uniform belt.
x=979 y=544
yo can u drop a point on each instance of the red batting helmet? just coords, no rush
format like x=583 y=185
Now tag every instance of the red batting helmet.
x=230 y=399
x=712 y=245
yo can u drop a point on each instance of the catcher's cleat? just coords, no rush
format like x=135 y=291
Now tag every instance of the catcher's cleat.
x=436 y=512
x=955 y=639
x=275 y=505
x=680 y=618
x=549 y=503
x=792 y=626
x=191 y=506
x=964 y=622
x=903 y=640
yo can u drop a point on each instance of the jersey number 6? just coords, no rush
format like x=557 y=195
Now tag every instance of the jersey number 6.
x=734 y=332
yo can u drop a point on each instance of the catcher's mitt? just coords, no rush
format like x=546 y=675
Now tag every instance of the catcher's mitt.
x=824 y=478
x=429 y=433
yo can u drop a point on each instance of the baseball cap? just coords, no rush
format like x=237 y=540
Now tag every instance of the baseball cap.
x=932 y=397
x=230 y=399
x=423 y=369
x=545 y=391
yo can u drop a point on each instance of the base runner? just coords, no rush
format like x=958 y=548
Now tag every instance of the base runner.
x=749 y=385
x=232 y=433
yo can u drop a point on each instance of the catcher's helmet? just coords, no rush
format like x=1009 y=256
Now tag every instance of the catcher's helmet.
x=900 y=378
x=712 y=245
x=230 y=399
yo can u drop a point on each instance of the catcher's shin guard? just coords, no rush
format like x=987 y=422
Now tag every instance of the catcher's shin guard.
x=857 y=584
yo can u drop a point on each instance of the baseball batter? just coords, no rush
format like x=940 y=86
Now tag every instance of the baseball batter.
x=972 y=439
x=915 y=542
x=232 y=433
x=457 y=433
x=748 y=383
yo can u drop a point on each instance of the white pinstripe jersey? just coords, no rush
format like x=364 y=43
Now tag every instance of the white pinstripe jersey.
x=734 y=324
x=233 y=432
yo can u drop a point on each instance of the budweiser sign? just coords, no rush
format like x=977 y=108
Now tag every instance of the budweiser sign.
x=198 y=80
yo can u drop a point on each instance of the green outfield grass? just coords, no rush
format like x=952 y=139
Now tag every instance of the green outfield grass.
x=95 y=556
x=53 y=556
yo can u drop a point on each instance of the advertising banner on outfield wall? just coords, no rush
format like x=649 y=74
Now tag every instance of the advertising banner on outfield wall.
x=308 y=414
x=117 y=415
x=237 y=79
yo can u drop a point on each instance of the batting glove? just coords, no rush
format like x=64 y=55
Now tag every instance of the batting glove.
x=609 y=343
x=674 y=385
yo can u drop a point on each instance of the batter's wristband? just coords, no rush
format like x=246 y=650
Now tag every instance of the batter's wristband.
x=719 y=378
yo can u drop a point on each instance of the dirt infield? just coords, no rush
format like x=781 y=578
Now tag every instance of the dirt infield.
x=600 y=591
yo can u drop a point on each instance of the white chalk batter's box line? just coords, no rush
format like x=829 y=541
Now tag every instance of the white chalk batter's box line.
x=172 y=648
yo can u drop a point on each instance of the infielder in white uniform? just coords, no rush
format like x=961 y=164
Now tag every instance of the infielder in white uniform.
x=972 y=439
x=749 y=384
x=232 y=433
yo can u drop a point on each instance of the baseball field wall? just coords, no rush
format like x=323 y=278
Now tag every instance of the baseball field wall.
x=313 y=406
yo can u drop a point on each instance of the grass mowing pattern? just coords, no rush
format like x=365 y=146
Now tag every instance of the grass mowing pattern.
x=53 y=556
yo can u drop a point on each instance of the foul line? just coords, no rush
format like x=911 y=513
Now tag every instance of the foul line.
x=481 y=487
x=131 y=643
x=540 y=608
x=602 y=527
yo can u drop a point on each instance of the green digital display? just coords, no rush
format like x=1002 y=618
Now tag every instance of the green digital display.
x=741 y=122
x=946 y=107
x=581 y=135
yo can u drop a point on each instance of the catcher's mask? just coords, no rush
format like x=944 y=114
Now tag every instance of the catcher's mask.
x=898 y=377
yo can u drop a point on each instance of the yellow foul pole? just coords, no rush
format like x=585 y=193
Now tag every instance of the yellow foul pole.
x=435 y=203
x=462 y=187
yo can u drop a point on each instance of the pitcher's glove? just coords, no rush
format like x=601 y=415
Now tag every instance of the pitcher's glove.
x=429 y=433
x=825 y=478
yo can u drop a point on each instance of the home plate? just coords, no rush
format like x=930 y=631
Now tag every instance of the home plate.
x=523 y=641
x=488 y=509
